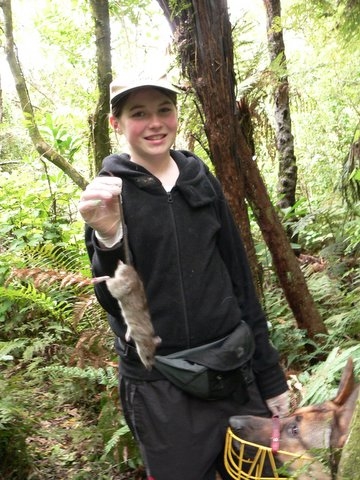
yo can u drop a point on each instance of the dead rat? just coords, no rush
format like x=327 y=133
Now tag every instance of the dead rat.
x=128 y=289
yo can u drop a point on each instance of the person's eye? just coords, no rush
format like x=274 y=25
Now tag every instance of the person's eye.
x=166 y=109
x=138 y=114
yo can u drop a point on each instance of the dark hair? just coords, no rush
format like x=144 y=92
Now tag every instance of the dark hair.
x=117 y=105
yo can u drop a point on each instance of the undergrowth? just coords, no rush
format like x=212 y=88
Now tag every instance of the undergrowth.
x=334 y=283
x=60 y=415
x=59 y=403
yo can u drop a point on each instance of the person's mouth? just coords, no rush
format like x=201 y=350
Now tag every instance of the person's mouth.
x=155 y=138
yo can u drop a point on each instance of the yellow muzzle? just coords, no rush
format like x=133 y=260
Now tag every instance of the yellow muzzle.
x=245 y=460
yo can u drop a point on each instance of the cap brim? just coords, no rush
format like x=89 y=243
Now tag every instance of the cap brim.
x=118 y=92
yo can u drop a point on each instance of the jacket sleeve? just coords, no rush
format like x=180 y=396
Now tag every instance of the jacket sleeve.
x=269 y=374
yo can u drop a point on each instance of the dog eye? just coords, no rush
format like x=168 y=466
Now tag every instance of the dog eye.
x=293 y=430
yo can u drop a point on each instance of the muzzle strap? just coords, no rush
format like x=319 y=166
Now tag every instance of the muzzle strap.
x=275 y=436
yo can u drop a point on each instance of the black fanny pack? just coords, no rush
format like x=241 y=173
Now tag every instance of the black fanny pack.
x=213 y=371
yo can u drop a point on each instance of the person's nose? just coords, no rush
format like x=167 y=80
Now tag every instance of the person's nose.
x=155 y=121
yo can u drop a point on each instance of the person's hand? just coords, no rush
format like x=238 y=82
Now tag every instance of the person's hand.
x=99 y=207
x=279 y=405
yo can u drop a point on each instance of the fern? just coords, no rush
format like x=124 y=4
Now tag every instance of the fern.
x=100 y=376
x=57 y=257
x=64 y=295
x=8 y=347
x=29 y=295
x=15 y=427
x=119 y=444
x=115 y=439
x=321 y=383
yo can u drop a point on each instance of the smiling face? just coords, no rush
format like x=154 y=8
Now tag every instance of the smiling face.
x=149 y=122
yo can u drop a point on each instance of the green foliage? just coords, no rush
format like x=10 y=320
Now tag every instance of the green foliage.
x=322 y=381
x=292 y=343
x=31 y=217
x=59 y=137
x=54 y=336
x=14 y=141
x=329 y=234
x=15 y=426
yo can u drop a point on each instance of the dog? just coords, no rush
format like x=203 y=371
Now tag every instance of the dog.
x=306 y=432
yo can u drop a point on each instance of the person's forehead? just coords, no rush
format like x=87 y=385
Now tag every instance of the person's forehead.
x=145 y=96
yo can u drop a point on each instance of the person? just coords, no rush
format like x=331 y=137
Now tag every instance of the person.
x=188 y=252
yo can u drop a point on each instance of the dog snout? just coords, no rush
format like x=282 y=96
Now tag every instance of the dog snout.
x=240 y=422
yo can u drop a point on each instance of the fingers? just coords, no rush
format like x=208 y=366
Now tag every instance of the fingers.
x=111 y=183
x=279 y=405
x=101 y=190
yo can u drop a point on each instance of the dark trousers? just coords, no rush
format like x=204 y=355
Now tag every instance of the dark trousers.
x=181 y=437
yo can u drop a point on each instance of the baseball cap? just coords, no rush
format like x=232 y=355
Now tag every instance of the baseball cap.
x=119 y=87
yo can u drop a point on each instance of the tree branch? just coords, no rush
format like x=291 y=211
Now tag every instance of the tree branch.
x=45 y=150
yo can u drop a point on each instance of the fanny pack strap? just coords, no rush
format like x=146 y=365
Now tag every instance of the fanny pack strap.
x=230 y=352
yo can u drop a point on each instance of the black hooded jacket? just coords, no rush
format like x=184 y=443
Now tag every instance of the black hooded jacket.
x=186 y=248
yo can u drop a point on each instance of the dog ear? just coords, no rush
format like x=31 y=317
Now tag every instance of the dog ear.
x=347 y=383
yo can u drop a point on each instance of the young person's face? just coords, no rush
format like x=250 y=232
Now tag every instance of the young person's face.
x=149 y=123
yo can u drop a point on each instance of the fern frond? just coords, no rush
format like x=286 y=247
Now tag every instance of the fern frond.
x=100 y=376
x=87 y=313
x=44 y=278
x=115 y=439
x=8 y=347
x=322 y=381
x=30 y=295
x=57 y=257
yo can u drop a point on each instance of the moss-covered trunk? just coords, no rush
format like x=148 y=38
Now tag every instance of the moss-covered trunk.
x=349 y=467
x=99 y=121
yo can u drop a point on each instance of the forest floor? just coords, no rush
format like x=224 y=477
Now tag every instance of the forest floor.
x=66 y=443
x=60 y=449
x=57 y=454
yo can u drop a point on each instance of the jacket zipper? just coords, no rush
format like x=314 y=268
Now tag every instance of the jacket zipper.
x=186 y=323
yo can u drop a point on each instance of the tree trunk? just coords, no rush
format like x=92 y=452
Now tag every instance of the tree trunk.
x=44 y=149
x=350 y=457
x=1 y=103
x=350 y=173
x=202 y=32
x=209 y=73
x=284 y=137
x=99 y=122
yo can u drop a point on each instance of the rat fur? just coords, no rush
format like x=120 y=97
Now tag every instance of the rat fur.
x=127 y=287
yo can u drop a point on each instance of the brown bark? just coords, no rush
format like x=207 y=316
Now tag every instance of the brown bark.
x=208 y=63
x=99 y=122
x=203 y=34
x=44 y=149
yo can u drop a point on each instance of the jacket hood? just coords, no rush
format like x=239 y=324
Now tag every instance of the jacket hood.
x=193 y=181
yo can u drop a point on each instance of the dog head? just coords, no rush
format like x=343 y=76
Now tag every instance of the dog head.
x=309 y=432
